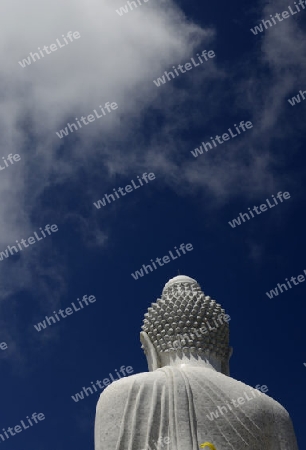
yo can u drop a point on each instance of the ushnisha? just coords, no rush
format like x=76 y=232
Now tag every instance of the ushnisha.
x=11 y=158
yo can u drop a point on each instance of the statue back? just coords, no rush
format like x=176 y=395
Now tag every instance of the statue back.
x=189 y=405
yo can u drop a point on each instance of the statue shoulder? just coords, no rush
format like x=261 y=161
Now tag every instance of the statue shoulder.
x=122 y=387
x=273 y=405
x=283 y=428
x=122 y=401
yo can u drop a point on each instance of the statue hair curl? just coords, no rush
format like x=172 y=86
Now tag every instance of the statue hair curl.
x=183 y=310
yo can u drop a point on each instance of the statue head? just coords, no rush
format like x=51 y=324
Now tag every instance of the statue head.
x=181 y=315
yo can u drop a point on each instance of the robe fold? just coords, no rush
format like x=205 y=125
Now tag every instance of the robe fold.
x=189 y=405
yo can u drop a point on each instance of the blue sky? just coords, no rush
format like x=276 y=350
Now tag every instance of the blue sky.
x=191 y=200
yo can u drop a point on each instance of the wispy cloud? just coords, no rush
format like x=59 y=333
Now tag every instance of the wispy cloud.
x=116 y=60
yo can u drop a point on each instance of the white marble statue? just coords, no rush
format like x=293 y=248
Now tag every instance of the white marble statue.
x=188 y=400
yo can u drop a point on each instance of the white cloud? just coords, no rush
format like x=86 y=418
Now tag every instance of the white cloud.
x=116 y=59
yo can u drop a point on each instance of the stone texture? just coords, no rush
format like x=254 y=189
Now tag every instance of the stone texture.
x=184 y=387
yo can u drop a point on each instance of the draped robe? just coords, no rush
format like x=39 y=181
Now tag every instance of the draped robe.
x=177 y=402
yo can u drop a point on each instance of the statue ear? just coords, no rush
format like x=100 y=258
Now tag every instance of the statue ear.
x=225 y=369
x=149 y=349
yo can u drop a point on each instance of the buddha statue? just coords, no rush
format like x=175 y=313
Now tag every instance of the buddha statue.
x=188 y=400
